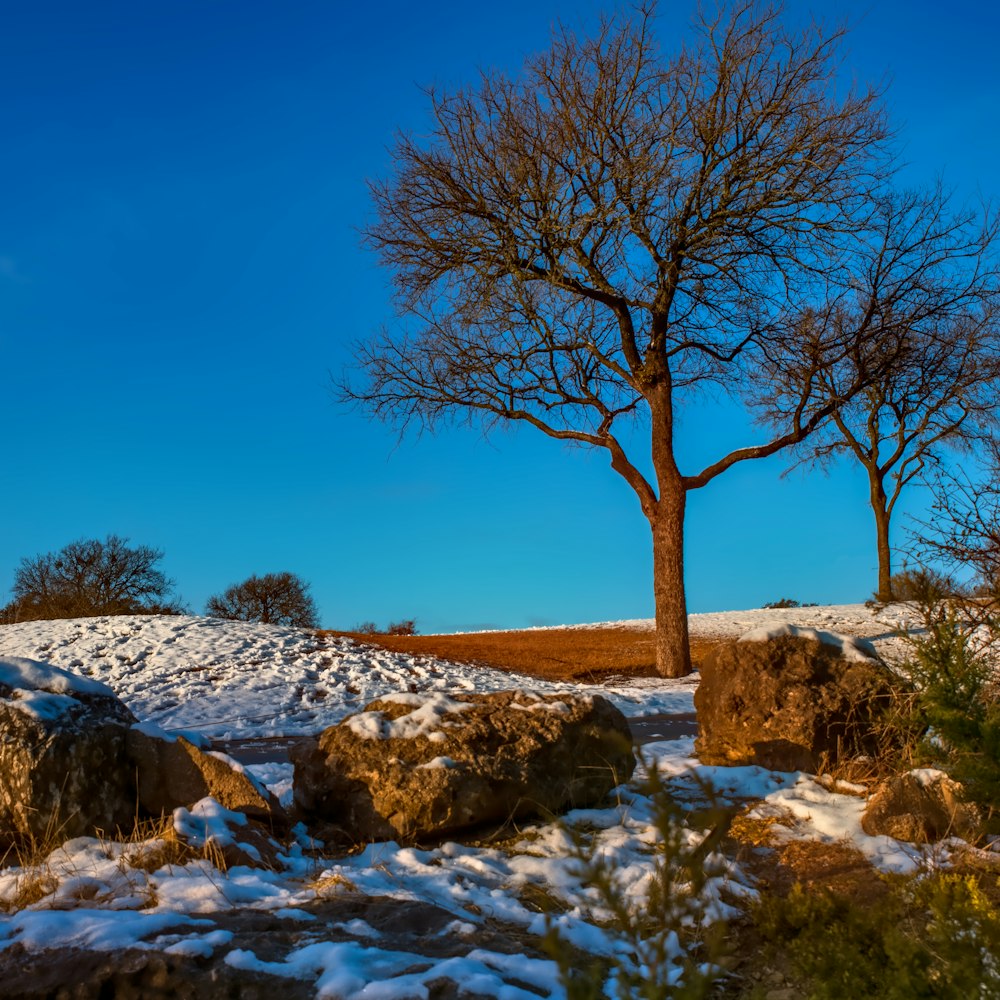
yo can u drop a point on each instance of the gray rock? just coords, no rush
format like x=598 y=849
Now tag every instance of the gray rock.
x=419 y=767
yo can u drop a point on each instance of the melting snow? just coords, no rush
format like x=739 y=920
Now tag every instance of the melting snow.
x=239 y=680
x=849 y=647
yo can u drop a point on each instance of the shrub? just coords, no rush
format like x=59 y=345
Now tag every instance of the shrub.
x=787 y=602
x=957 y=703
x=657 y=956
x=781 y=602
x=271 y=599
x=91 y=577
x=408 y=626
x=929 y=937
x=924 y=587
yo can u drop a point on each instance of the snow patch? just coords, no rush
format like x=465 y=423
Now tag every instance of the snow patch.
x=850 y=647
x=41 y=705
x=33 y=675
x=437 y=763
x=426 y=719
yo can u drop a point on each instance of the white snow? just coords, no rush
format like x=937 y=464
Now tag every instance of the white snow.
x=234 y=679
x=41 y=704
x=927 y=776
x=427 y=718
x=437 y=763
x=849 y=647
x=32 y=675
x=230 y=679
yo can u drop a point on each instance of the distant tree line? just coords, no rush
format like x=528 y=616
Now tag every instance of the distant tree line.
x=91 y=577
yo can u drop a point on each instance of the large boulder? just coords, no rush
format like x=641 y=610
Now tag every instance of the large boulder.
x=63 y=770
x=417 y=767
x=790 y=699
x=172 y=772
x=922 y=807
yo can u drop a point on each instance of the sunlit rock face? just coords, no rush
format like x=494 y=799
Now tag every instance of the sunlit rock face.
x=172 y=772
x=789 y=701
x=922 y=807
x=416 y=767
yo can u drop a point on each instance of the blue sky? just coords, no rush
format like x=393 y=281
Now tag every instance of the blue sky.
x=180 y=272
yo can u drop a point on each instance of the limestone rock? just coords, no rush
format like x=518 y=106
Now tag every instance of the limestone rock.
x=63 y=771
x=788 y=699
x=922 y=807
x=172 y=772
x=413 y=767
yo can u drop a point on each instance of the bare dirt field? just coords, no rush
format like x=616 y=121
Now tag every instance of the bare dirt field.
x=590 y=655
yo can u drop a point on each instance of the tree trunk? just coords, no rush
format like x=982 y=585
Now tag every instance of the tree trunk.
x=881 y=509
x=673 y=653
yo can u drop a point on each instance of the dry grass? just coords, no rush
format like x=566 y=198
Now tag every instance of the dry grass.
x=336 y=884
x=583 y=655
x=155 y=844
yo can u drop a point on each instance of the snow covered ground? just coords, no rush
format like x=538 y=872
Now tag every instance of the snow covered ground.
x=237 y=680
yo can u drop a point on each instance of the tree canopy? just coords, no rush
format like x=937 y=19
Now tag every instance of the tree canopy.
x=271 y=599
x=618 y=236
x=91 y=577
x=931 y=271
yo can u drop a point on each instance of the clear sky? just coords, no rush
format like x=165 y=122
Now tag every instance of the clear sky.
x=182 y=184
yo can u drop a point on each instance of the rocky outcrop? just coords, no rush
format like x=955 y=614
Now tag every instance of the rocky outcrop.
x=921 y=806
x=63 y=771
x=790 y=699
x=416 y=767
x=74 y=761
x=171 y=772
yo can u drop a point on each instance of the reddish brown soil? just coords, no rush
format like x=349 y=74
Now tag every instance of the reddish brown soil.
x=592 y=654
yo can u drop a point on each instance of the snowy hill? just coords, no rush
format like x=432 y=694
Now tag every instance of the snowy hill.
x=234 y=679
x=329 y=934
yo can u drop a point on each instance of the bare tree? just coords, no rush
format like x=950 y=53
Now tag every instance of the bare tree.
x=91 y=577
x=615 y=236
x=931 y=274
x=272 y=599
x=962 y=533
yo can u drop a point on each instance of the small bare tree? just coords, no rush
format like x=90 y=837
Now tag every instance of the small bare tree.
x=271 y=599
x=931 y=275
x=962 y=533
x=91 y=577
x=614 y=236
